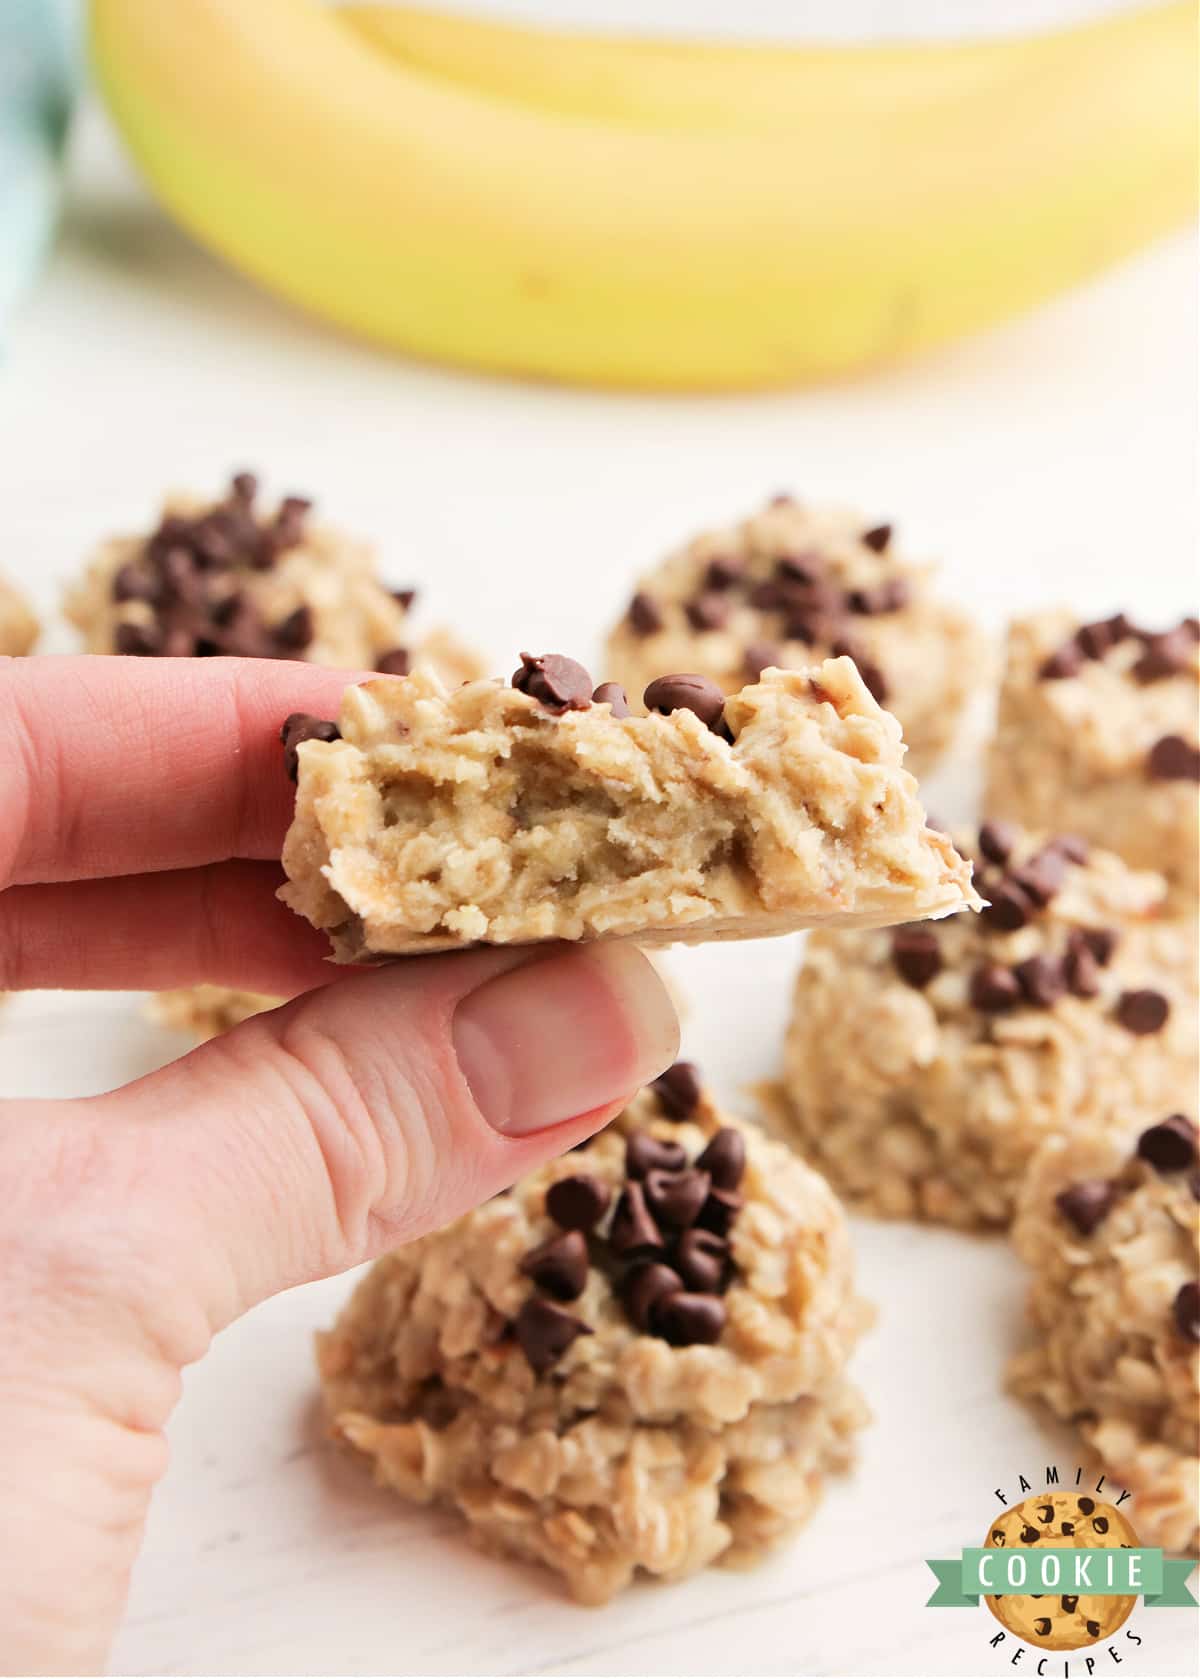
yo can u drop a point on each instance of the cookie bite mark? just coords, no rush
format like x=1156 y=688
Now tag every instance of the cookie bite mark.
x=543 y=810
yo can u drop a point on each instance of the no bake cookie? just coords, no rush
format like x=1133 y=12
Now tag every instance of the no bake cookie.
x=1110 y=1228
x=924 y=1066
x=633 y=1360
x=794 y=584
x=542 y=810
x=18 y=626
x=1097 y=731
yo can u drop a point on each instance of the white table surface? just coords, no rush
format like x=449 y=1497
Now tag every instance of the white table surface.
x=1051 y=459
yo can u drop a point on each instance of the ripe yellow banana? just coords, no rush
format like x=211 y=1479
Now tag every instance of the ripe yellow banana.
x=617 y=247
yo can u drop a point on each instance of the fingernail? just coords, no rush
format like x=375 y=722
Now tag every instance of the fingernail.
x=561 y=1035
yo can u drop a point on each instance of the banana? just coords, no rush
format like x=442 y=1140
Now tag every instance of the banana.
x=706 y=249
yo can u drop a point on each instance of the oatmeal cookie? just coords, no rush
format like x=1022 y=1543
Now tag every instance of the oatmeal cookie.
x=1110 y=1229
x=634 y=1359
x=923 y=1067
x=1060 y=1521
x=1097 y=731
x=18 y=626
x=426 y=820
x=790 y=586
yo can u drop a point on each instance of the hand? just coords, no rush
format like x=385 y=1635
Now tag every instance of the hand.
x=144 y=805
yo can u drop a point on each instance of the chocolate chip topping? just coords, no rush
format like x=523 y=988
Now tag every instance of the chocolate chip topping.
x=1086 y=1204
x=298 y=728
x=645 y=1154
x=644 y=1287
x=688 y=1320
x=708 y=611
x=1172 y=758
x=1042 y=876
x=996 y=841
x=759 y=656
x=1080 y=968
x=397 y=661
x=1169 y=1146
x=633 y=1230
x=890 y=596
x=645 y=614
x=545 y=1332
x=296 y=631
x=686 y=692
x=558 y=683
x=719 y=1211
x=724 y=1158
x=1094 y=640
x=559 y=1265
x=578 y=1202
x=1164 y=655
x=724 y=571
x=612 y=695
x=916 y=955
x=1071 y=846
x=675 y=1198
x=1009 y=906
x=994 y=989
x=678 y=1090
x=1142 y=1012
x=403 y=597
x=1042 y=979
x=1186 y=1309
x=877 y=538
x=702 y=1260
x=1065 y=662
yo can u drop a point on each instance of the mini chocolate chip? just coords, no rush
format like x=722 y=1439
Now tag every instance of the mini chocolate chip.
x=724 y=571
x=632 y=1229
x=1042 y=876
x=768 y=595
x=678 y=1090
x=612 y=695
x=1101 y=941
x=1042 y=1625
x=703 y=1261
x=1094 y=640
x=1029 y=1535
x=1173 y=759
x=873 y=680
x=724 y=1158
x=397 y=661
x=296 y=630
x=1169 y=1146
x=1164 y=655
x=877 y=538
x=891 y=596
x=759 y=656
x=295 y=507
x=994 y=989
x=1086 y=1204
x=709 y=611
x=244 y=486
x=1080 y=968
x=806 y=566
x=689 y=1320
x=645 y=614
x=579 y=1202
x=686 y=692
x=916 y=955
x=545 y=1332
x=1042 y=979
x=644 y=1287
x=558 y=683
x=996 y=841
x=1100 y=1524
x=298 y=728
x=1187 y=1311
x=676 y=1198
x=133 y=582
x=1086 y=1506
x=644 y=1153
x=139 y=640
x=1142 y=1012
x=404 y=597
x=719 y=1211
x=1067 y=661
x=1009 y=906
x=1071 y=846
x=559 y=1265
x=1068 y=1604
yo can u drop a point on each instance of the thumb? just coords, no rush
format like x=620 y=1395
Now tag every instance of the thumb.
x=367 y=1113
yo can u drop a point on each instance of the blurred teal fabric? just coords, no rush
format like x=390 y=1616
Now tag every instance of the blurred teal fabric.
x=39 y=72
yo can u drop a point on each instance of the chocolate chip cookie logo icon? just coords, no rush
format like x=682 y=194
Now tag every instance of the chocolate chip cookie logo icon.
x=1062 y=1570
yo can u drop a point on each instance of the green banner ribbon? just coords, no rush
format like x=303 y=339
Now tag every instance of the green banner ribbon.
x=1142 y=1571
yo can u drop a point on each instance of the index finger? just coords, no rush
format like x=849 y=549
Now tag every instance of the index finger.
x=114 y=765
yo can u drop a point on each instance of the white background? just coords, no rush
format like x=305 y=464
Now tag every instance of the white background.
x=1050 y=459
